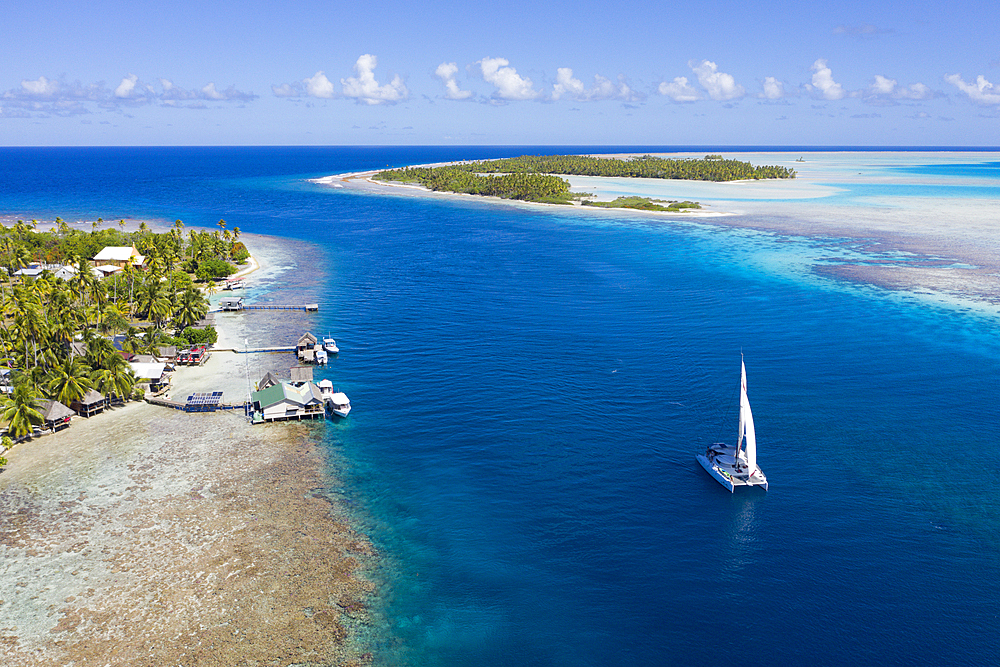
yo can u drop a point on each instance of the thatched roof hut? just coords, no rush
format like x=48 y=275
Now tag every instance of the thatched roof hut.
x=91 y=404
x=56 y=415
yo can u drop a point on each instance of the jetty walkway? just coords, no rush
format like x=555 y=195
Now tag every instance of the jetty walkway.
x=254 y=350
x=308 y=307
x=192 y=407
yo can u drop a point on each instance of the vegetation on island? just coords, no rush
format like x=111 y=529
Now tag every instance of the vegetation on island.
x=61 y=336
x=646 y=204
x=711 y=168
x=524 y=186
x=532 y=177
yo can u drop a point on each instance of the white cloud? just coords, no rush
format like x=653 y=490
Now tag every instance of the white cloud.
x=980 y=92
x=172 y=94
x=884 y=87
x=823 y=83
x=718 y=85
x=43 y=97
x=210 y=93
x=679 y=90
x=916 y=91
x=318 y=85
x=287 y=90
x=509 y=85
x=230 y=94
x=565 y=83
x=604 y=89
x=40 y=88
x=773 y=89
x=365 y=88
x=126 y=89
x=446 y=72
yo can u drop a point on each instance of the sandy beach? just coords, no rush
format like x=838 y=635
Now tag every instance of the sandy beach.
x=149 y=536
x=917 y=244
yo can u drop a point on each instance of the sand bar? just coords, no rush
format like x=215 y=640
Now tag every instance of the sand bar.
x=947 y=245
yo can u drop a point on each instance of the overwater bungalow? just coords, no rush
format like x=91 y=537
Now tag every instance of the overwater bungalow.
x=152 y=372
x=309 y=350
x=306 y=342
x=231 y=303
x=56 y=415
x=284 y=401
x=91 y=404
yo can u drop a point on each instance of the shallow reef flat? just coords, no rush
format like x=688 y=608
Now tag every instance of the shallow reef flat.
x=155 y=537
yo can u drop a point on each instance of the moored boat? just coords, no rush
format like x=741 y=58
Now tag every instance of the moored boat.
x=736 y=466
x=337 y=403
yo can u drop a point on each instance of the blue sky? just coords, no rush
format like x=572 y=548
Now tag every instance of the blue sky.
x=311 y=72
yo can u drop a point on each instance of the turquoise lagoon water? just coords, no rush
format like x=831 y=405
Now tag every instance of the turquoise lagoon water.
x=530 y=389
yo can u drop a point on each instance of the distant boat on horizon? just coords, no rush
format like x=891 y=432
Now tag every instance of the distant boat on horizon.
x=736 y=466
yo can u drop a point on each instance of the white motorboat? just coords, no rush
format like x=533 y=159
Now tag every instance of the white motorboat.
x=330 y=345
x=736 y=466
x=336 y=402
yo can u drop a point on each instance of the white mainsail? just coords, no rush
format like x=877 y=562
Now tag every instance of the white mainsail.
x=740 y=469
x=746 y=424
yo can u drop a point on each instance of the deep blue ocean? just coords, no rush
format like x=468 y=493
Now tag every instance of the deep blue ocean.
x=530 y=388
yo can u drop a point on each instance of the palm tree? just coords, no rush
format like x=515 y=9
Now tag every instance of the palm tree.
x=70 y=381
x=118 y=379
x=192 y=307
x=20 y=409
x=101 y=353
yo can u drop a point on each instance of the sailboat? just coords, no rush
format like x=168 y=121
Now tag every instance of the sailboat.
x=736 y=466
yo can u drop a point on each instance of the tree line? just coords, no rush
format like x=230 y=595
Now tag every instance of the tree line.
x=525 y=186
x=40 y=317
x=532 y=177
x=711 y=168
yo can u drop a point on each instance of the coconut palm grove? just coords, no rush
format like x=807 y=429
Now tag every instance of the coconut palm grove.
x=68 y=323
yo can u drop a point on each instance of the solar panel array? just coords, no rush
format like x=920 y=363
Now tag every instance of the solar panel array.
x=203 y=402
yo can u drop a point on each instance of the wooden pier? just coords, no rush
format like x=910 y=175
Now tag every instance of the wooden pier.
x=254 y=350
x=236 y=305
x=186 y=407
x=309 y=307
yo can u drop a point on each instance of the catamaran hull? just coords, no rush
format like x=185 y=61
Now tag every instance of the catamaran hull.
x=727 y=480
x=715 y=472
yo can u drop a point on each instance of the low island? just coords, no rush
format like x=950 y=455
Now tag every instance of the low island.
x=534 y=177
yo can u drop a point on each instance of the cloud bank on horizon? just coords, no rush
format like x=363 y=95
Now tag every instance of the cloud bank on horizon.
x=43 y=96
x=459 y=74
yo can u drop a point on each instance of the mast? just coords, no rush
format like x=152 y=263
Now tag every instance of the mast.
x=747 y=429
x=741 y=428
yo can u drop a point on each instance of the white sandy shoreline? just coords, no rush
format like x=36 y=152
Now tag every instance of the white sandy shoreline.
x=945 y=246
x=149 y=536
